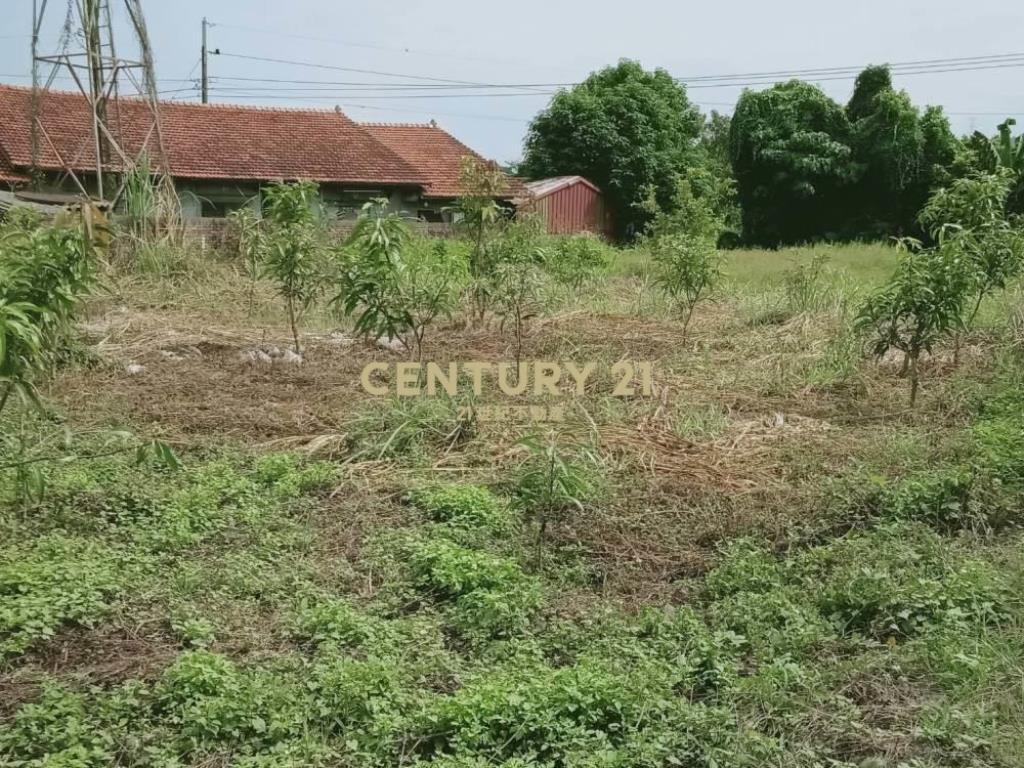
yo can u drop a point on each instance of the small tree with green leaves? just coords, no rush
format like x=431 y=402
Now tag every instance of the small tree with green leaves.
x=44 y=274
x=682 y=248
x=428 y=282
x=554 y=480
x=968 y=218
x=250 y=243
x=293 y=249
x=516 y=283
x=369 y=259
x=480 y=216
x=920 y=306
x=398 y=284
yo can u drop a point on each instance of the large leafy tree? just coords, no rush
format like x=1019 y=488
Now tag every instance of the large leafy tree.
x=626 y=129
x=791 y=153
x=807 y=168
x=903 y=155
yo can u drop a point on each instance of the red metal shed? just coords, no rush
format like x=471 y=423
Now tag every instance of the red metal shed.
x=569 y=204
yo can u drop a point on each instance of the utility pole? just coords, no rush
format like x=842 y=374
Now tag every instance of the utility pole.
x=206 y=65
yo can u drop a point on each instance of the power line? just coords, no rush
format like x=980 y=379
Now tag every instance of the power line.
x=378 y=73
x=352 y=44
x=899 y=73
x=335 y=94
x=926 y=66
x=854 y=68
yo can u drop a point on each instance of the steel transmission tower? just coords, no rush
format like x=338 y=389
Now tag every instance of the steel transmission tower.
x=120 y=95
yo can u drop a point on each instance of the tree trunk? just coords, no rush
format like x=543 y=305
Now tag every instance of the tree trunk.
x=295 y=327
x=686 y=321
x=7 y=393
x=914 y=381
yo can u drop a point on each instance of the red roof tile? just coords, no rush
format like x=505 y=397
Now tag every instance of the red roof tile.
x=7 y=173
x=435 y=153
x=209 y=141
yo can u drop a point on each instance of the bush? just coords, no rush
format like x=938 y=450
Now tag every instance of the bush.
x=57 y=731
x=576 y=260
x=897 y=581
x=57 y=581
x=212 y=702
x=463 y=505
x=290 y=476
x=44 y=274
x=490 y=595
x=336 y=622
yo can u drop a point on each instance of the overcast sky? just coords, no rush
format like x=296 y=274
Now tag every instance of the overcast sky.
x=550 y=42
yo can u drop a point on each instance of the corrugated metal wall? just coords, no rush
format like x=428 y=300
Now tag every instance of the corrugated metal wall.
x=576 y=208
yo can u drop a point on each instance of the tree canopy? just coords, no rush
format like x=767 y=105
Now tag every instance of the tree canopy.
x=807 y=168
x=626 y=129
x=791 y=155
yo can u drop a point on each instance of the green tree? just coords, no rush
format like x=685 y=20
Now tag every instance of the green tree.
x=480 y=217
x=624 y=128
x=920 y=306
x=871 y=82
x=969 y=218
x=399 y=284
x=902 y=153
x=682 y=246
x=293 y=251
x=791 y=154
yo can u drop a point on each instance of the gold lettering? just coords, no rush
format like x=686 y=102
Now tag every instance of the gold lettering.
x=368 y=386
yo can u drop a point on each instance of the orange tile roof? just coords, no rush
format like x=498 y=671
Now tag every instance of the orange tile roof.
x=209 y=141
x=7 y=173
x=434 y=152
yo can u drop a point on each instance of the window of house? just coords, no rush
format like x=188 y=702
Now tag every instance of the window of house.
x=218 y=209
x=430 y=216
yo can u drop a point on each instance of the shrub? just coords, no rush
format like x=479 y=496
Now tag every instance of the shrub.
x=399 y=285
x=58 y=731
x=490 y=595
x=803 y=285
x=212 y=702
x=554 y=480
x=897 y=581
x=464 y=505
x=59 y=580
x=350 y=695
x=327 y=620
x=576 y=260
x=290 y=476
x=44 y=274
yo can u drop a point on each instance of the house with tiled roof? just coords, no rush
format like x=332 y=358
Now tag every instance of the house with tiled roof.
x=220 y=156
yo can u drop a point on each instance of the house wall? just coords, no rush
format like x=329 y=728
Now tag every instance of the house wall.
x=215 y=200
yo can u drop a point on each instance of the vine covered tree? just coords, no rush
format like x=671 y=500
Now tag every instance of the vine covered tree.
x=808 y=169
x=626 y=129
x=902 y=154
x=792 y=159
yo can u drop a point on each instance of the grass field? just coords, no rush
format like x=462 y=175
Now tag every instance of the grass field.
x=770 y=560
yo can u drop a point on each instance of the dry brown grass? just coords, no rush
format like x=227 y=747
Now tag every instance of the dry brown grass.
x=675 y=496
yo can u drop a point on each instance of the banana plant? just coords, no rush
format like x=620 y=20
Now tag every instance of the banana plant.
x=1003 y=151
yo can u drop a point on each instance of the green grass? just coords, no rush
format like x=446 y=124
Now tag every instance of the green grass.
x=457 y=655
x=859 y=605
